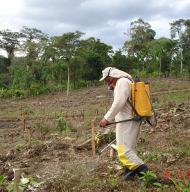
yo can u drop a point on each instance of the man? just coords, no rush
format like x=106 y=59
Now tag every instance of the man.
x=126 y=132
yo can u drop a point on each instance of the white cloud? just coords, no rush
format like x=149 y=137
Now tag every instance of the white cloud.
x=161 y=26
x=104 y=19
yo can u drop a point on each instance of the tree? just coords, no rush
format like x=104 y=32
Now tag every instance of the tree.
x=160 y=52
x=121 y=61
x=180 y=30
x=140 y=32
x=3 y=64
x=66 y=46
x=96 y=56
x=10 y=41
x=34 y=43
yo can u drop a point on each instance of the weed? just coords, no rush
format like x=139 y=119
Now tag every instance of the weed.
x=36 y=142
x=18 y=147
x=1 y=179
x=181 y=184
x=25 y=183
x=152 y=156
x=62 y=125
x=160 y=187
x=150 y=179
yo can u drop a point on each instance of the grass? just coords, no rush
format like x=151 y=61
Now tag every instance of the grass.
x=175 y=97
x=180 y=146
x=178 y=97
x=168 y=84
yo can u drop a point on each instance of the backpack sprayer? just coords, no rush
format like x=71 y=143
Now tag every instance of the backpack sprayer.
x=141 y=106
x=140 y=103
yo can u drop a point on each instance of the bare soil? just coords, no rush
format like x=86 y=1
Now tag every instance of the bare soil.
x=43 y=152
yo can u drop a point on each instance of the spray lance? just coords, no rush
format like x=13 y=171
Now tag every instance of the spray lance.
x=152 y=122
x=136 y=118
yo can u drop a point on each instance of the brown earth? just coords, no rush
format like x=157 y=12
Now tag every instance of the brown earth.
x=48 y=154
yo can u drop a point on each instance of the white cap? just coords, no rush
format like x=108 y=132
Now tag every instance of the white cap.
x=113 y=72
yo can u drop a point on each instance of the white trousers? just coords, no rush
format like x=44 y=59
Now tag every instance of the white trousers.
x=126 y=139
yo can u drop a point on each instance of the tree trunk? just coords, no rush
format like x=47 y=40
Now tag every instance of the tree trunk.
x=68 y=79
x=10 y=57
x=160 y=66
x=181 y=61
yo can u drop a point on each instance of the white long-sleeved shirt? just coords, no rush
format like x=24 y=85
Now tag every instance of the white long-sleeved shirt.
x=120 y=109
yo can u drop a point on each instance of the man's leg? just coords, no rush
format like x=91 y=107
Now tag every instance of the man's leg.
x=126 y=137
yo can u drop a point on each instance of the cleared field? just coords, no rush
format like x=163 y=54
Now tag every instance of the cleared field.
x=38 y=135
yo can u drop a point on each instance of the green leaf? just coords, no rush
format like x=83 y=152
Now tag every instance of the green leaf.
x=157 y=184
x=10 y=187
x=1 y=179
x=21 y=188
x=24 y=181
x=35 y=183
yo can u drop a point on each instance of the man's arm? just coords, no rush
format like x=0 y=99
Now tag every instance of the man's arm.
x=121 y=94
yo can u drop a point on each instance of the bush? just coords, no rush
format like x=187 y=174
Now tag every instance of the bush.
x=62 y=125
x=37 y=90
x=8 y=93
x=83 y=83
x=56 y=87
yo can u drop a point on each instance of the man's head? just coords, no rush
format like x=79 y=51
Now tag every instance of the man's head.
x=107 y=77
x=111 y=75
x=111 y=82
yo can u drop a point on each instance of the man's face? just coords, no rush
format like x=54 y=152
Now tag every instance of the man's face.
x=111 y=82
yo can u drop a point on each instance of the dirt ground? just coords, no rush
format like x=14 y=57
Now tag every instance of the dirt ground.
x=32 y=139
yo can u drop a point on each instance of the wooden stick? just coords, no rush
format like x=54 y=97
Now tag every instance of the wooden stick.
x=83 y=115
x=17 y=174
x=93 y=139
x=112 y=152
x=24 y=124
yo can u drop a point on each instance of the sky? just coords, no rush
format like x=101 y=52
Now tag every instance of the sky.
x=107 y=20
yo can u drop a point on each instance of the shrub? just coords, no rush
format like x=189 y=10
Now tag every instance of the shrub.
x=8 y=93
x=37 y=90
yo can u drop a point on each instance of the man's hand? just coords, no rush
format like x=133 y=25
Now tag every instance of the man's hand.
x=103 y=123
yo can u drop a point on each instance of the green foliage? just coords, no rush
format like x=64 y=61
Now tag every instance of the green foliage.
x=3 y=64
x=62 y=125
x=36 y=142
x=151 y=157
x=160 y=187
x=36 y=89
x=50 y=62
x=183 y=185
x=94 y=56
x=9 y=41
x=22 y=77
x=24 y=183
x=148 y=177
x=8 y=93
x=1 y=179
x=121 y=61
x=34 y=44
x=18 y=147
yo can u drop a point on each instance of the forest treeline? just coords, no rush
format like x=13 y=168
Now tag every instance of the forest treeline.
x=50 y=63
